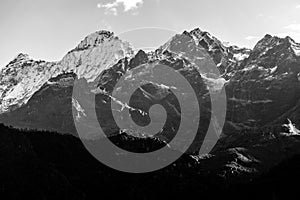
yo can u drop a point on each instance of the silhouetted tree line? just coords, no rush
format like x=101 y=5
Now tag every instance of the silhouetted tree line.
x=47 y=165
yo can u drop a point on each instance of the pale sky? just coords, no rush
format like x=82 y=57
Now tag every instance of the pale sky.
x=48 y=29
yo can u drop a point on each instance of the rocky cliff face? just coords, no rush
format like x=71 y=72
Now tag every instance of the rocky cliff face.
x=265 y=86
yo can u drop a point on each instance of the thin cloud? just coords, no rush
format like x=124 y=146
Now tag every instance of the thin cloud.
x=106 y=25
x=260 y=15
x=250 y=37
x=298 y=6
x=292 y=34
x=293 y=27
x=123 y=5
x=293 y=30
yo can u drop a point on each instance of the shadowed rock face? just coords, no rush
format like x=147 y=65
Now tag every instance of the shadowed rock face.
x=266 y=86
x=49 y=109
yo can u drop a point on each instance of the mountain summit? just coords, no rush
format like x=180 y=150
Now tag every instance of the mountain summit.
x=22 y=77
x=95 y=39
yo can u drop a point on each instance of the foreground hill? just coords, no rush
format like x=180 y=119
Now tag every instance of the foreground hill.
x=48 y=165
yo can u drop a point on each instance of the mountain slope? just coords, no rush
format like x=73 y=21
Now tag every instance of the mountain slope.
x=266 y=85
x=22 y=77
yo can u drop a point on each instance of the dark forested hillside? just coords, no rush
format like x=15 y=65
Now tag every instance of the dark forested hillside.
x=46 y=165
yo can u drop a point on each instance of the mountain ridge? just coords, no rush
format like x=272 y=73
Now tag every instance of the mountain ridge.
x=15 y=78
x=86 y=61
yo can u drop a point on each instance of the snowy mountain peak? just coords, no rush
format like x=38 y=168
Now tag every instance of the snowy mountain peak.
x=267 y=41
x=22 y=56
x=23 y=76
x=205 y=38
x=267 y=36
x=97 y=52
x=95 y=39
x=224 y=56
x=294 y=46
x=273 y=43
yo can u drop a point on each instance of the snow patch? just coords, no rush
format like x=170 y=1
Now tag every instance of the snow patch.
x=295 y=47
x=79 y=109
x=249 y=68
x=214 y=84
x=292 y=129
x=244 y=101
x=272 y=70
x=240 y=56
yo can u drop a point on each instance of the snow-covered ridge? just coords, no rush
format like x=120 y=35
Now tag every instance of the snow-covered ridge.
x=295 y=47
x=22 y=77
x=94 y=39
x=269 y=42
x=89 y=63
x=213 y=44
x=226 y=57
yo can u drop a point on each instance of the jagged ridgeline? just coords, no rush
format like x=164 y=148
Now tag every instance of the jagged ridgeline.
x=37 y=94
